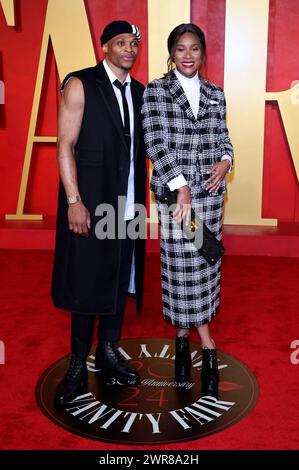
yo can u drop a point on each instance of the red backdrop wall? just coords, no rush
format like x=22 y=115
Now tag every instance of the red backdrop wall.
x=19 y=55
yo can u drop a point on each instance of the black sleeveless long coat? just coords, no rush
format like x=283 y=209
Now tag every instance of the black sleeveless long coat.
x=85 y=273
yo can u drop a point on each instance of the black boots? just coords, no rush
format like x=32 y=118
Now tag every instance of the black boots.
x=73 y=383
x=209 y=373
x=182 y=362
x=113 y=366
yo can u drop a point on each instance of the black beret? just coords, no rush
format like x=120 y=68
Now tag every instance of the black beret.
x=119 y=27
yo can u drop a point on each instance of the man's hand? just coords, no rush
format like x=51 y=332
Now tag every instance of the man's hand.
x=218 y=172
x=183 y=208
x=79 y=219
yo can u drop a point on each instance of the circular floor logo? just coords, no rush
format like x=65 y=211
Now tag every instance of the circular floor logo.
x=159 y=411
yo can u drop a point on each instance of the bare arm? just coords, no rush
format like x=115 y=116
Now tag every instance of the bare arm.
x=69 y=124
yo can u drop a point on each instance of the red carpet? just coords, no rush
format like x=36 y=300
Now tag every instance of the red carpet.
x=257 y=322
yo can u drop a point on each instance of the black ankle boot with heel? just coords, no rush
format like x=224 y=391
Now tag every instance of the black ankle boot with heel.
x=182 y=362
x=209 y=373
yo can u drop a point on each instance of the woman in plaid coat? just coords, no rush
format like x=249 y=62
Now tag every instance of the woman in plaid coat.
x=188 y=143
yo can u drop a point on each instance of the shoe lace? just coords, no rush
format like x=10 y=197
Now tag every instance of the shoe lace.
x=117 y=353
x=76 y=366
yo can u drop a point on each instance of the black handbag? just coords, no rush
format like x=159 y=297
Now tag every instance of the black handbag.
x=206 y=242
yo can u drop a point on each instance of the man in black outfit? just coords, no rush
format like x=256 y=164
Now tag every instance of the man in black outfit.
x=101 y=156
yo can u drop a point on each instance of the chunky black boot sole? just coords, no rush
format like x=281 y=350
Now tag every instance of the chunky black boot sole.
x=62 y=401
x=111 y=377
x=112 y=367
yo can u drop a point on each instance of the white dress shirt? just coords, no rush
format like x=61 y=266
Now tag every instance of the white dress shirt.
x=130 y=202
x=191 y=87
x=129 y=210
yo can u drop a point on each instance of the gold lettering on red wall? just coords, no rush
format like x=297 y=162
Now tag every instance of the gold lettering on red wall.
x=2 y=92
x=67 y=25
x=9 y=11
x=288 y=102
x=246 y=35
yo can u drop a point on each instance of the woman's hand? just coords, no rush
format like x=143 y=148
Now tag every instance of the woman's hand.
x=183 y=209
x=79 y=219
x=218 y=172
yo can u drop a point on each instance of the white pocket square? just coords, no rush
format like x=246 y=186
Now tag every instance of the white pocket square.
x=214 y=102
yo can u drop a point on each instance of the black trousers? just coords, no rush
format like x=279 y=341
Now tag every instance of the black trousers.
x=109 y=326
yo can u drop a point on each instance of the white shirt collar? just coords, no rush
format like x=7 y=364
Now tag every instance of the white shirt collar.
x=191 y=87
x=112 y=77
x=185 y=80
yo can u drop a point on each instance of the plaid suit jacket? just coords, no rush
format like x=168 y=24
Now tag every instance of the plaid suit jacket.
x=176 y=141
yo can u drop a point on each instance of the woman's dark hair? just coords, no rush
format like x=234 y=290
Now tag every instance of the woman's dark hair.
x=175 y=35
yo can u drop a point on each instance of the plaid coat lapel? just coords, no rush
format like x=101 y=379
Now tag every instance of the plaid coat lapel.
x=180 y=98
x=204 y=97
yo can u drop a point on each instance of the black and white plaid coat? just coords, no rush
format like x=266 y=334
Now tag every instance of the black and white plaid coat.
x=178 y=143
